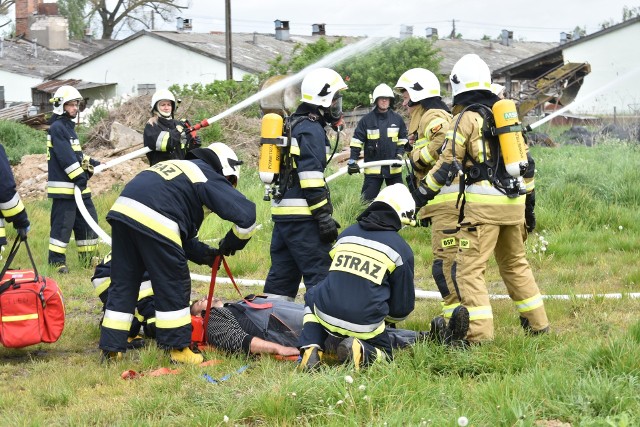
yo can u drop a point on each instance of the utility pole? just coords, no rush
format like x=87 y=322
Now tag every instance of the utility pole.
x=227 y=19
x=453 y=31
x=153 y=26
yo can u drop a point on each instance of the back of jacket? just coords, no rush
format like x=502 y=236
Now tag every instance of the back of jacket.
x=168 y=201
x=307 y=188
x=370 y=279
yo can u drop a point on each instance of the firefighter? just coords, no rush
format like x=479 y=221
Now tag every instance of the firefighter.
x=164 y=135
x=370 y=282
x=11 y=207
x=154 y=225
x=303 y=224
x=382 y=134
x=145 y=315
x=423 y=89
x=68 y=167
x=493 y=206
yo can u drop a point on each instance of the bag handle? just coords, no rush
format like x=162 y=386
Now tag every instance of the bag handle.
x=12 y=255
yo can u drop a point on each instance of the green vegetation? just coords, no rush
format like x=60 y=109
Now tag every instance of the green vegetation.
x=585 y=372
x=19 y=140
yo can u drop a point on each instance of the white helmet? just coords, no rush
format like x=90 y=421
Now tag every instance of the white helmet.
x=420 y=83
x=320 y=86
x=63 y=95
x=223 y=159
x=470 y=73
x=163 y=94
x=382 y=91
x=399 y=198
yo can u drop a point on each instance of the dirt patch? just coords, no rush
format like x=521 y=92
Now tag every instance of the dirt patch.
x=31 y=174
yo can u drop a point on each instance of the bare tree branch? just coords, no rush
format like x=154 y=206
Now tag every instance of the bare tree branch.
x=124 y=10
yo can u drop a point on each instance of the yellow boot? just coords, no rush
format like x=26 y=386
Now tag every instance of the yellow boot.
x=186 y=355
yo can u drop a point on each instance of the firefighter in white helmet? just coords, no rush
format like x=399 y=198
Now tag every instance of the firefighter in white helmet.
x=68 y=167
x=163 y=134
x=154 y=226
x=430 y=121
x=493 y=202
x=381 y=134
x=304 y=228
x=370 y=283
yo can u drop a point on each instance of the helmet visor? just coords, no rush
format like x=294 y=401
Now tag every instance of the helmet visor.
x=335 y=110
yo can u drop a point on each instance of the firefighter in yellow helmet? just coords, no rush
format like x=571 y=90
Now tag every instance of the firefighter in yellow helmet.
x=492 y=204
x=422 y=87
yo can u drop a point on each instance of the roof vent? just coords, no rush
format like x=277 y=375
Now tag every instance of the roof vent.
x=506 y=37
x=282 y=30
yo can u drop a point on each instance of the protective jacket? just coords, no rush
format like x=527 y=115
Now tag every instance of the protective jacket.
x=11 y=207
x=306 y=194
x=484 y=203
x=164 y=138
x=370 y=280
x=166 y=202
x=66 y=163
x=382 y=135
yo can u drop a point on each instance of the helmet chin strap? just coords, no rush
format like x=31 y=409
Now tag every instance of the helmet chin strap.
x=163 y=114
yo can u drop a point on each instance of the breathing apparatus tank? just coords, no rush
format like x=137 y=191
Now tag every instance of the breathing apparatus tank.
x=270 y=153
x=509 y=131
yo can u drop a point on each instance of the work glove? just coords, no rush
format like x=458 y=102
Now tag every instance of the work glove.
x=328 y=228
x=424 y=222
x=87 y=166
x=224 y=249
x=399 y=164
x=22 y=232
x=209 y=256
x=195 y=142
x=529 y=212
x=352 y=167
x=422 y=195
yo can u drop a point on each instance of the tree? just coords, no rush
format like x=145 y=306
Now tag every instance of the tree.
x=129 y=11
x=385 y=64
x=74 y=11
x=630 y=12
x=4 y=8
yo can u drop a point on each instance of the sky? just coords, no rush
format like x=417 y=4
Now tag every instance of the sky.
x=537 y=20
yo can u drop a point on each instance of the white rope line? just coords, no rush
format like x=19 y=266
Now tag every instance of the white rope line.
x=424 y=294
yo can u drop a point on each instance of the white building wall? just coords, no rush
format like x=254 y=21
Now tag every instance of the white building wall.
x=611 y=55
x=17 y=88
x=147 y=60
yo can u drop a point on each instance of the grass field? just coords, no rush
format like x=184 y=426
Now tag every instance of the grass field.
x=585 y=372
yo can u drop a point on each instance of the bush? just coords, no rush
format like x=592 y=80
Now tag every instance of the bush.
x=19 y=140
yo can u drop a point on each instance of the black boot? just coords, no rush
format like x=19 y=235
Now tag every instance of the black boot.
x=456 y=333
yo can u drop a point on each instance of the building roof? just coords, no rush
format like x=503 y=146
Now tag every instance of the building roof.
x=496 y=55
x=535 y=65
x=20 y=57
x=251 y=51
